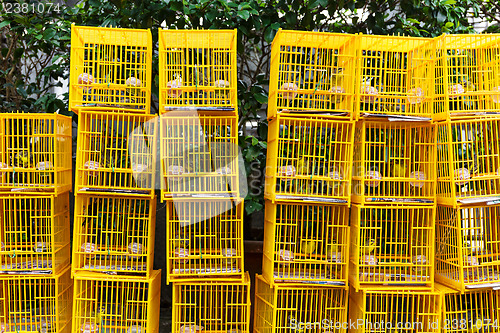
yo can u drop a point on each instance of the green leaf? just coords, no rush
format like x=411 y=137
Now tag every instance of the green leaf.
x=448 y=2
x=4 y=23
x=255 y=141
x=244 y=14
x=261 y=98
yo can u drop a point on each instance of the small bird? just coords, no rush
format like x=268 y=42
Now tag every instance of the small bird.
x=474 y=166
x=307 y=247
x=467 y=248
x=367 y=249
x=334 y=253
x=398 y=170
x=23 y=159
x=302 y=167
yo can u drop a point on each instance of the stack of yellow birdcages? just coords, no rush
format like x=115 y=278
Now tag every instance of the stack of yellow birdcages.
x=308 y=182
x=200 y=180
x=468 y=179
x=35 y=180
x=394 y=186
x=116 y=288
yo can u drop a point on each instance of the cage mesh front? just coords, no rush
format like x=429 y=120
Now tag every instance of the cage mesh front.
x=475 y=311
x=309 y=158
x=197 y=69
x=199 y=155
x=35 y=152
x=114 y=234
x=306 y=242
x=394 y=162
x=116 y=153
x=34 y=234
x=467 y=72
x=392 y=245
x=396 y=76
x=211 y=307
x=33 y=304
x=401 y=312
x=468 y=245
x=204 y=238
x=468 y=160
x=288 y=308
x=312 y=72
x=116 y=305
x=110 y=68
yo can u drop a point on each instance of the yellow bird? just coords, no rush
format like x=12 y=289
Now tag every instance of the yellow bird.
x=467 y=248
x=302 y=167
x=307 y=247
x=23 y=159
x=367 y=249
x=398 y=170
x=180 y=240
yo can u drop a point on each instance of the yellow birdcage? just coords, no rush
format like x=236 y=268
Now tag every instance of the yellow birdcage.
x=306 y=243
x=290 y=307
x=197 y=70
x=204 y=238
x=35 y=153
x=114 y=234
x=392 y=246
x=394 y=162
x=403 y=310
x=468 y=161
x=110 y=69
x=199 y=155
x=210 y=306
x=309 y=158
x=116 y=303
x=312 y=72
x=468 y=246
x=116 y=153
x=31 y=303
x=34 y=234
x=395 y=76
x=467 y=76
x=472 y=311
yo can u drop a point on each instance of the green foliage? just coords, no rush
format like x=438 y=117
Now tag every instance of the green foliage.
x=41 y=40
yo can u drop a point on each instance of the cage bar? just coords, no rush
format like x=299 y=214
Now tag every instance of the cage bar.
x=116 y=303
x=116 y=153
x=198 y=70
x=110 y=69
x=204 y=238
x=312 y=72
x=306 y=243
x=309 y=158
x=394 y=162
x=392 y=246
x=114 y=234
x=35 y=153
x=297 y=308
